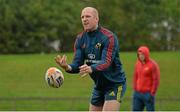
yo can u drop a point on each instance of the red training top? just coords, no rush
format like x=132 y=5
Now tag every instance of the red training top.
x=146 y=76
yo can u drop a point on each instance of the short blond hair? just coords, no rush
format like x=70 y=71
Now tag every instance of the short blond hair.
x=94 y=10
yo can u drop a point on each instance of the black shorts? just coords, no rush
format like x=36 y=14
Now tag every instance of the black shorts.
x=115 y=92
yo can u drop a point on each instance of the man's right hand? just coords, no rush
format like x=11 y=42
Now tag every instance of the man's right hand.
x=61 y=61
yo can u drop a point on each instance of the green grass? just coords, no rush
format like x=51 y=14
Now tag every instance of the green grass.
x=22 y=76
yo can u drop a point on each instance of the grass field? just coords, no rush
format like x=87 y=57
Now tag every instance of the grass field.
x=22 y=84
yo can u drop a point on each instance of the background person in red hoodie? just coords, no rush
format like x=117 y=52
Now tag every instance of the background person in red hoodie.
x=146 y=81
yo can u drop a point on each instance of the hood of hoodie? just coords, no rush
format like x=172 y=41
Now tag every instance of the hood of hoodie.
x=145 y=51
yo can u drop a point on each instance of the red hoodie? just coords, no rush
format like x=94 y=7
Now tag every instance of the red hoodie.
x=147 y=75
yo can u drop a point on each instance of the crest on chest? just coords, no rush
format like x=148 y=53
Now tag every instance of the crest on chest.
x=98 y=46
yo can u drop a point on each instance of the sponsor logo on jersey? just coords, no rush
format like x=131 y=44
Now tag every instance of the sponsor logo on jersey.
x=92 y=61
x=91 y=56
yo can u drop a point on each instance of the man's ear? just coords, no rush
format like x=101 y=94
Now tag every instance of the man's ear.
x=97 y=19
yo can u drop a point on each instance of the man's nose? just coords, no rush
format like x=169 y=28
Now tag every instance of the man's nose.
x=84 y=20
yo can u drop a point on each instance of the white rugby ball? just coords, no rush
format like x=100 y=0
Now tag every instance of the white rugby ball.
x=54 y=77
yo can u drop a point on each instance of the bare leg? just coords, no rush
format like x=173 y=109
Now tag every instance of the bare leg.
x=111 y=105
x=95 y=108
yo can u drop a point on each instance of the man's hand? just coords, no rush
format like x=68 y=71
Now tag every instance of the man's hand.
x=61 y=61
x=85 y=70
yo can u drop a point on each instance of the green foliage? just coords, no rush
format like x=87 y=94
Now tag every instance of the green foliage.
x=31 y=26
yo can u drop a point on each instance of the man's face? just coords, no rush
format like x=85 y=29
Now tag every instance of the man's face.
x=89 y=19
x=141 y=56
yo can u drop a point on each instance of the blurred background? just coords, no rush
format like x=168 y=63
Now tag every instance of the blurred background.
x=33 y=32
x=33 y=26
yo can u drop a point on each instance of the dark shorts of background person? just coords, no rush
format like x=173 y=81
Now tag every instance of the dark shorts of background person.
x=115 y=92
x=142 y=100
